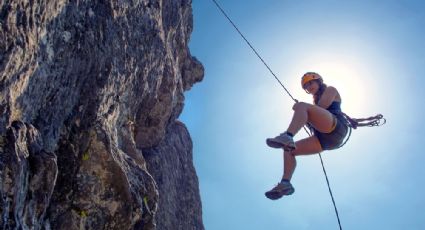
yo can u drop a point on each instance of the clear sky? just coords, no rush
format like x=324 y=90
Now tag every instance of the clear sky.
x=372 y=51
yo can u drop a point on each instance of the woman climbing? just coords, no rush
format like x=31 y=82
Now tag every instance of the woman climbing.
x=325 y=119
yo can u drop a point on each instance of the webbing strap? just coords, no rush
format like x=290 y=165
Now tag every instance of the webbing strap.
x=377 y=120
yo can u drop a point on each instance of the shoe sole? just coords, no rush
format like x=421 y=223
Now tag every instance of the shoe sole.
x=274 y=144
x=278 y=145
x=277 y=195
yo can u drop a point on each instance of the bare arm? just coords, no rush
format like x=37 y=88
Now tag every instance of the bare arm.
x=328 y=97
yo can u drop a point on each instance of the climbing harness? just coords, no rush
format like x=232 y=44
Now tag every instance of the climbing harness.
x=352 y=123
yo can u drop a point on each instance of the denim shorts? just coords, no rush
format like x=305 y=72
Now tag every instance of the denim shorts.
x=334 y=139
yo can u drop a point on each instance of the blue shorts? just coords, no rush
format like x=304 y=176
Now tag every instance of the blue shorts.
x=334 y=139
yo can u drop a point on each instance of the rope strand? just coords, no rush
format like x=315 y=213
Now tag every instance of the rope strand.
x=330 y=191
x=253 y=49
x=274 y=75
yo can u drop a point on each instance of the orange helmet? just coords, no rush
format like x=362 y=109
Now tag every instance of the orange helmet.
x=310 y=76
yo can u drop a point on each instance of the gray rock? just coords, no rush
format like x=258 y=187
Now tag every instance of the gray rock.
x=85 y=88
x=27 y=177
x=170 y=163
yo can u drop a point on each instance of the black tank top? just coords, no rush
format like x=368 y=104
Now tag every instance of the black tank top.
x=335 y=107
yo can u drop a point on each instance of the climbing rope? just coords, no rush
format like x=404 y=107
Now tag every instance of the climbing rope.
x=352 y=123
x=253 y=49
x=295 y=100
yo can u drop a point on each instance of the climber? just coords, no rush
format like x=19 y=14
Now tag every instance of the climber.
x=324 y=118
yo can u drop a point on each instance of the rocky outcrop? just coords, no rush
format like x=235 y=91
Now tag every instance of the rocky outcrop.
x=170 y=163
x=89 y=96
x=28 y=176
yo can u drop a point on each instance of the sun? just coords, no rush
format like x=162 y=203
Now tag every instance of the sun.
x=349 y=77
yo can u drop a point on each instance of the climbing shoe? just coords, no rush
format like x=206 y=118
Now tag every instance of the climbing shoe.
x=281 y=189
x=282 y=141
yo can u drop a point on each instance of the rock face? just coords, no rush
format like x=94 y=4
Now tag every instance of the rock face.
x=170 y=163
x=89 y=96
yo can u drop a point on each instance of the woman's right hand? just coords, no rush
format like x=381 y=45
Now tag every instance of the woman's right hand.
x=296 y=103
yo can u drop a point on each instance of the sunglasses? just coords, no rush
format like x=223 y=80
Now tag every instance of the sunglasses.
x=307 y=84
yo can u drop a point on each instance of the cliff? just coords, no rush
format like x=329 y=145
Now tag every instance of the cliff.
x=89 y=96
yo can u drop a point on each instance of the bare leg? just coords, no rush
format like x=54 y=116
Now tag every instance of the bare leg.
x=289 y=164
x=319 y=117
x=322 y=120
x=299 y=119
x=309 y=145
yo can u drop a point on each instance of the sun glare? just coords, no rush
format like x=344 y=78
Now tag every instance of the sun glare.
x=350 y=78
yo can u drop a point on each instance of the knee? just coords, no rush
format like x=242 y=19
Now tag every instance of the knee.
x=301 y=106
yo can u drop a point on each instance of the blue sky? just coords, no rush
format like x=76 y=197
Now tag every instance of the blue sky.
x=373 y=52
